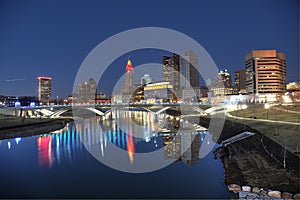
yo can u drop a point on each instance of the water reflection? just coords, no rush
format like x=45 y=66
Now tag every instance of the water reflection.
x=184 y=147
x=62 y=155
x=130 y=130
x=45 y=151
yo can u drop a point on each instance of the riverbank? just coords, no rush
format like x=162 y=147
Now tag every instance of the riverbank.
x=11 y=127
x=256 y=161
x=284 y=134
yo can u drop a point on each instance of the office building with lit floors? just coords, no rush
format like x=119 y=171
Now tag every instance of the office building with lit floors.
x=171 y=72
x=44 y=89
x=265 y=75
x=190 y=77
x=240 y=81
x=87 y=91
x=222 y=85
x=159 y=92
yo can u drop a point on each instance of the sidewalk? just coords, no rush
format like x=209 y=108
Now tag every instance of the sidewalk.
x=285 y=110
x=262 y=120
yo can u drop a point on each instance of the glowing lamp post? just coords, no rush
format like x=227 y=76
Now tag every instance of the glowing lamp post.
x=267 y=107
x=244 y=107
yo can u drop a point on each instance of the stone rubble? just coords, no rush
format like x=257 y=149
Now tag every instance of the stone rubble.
x=246 y=192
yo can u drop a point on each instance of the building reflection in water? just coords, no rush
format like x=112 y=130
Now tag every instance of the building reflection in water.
x=130 y=147
x=45 y=151
x=126 y=130
x=183 y=147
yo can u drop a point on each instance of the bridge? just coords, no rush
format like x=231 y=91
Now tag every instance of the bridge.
x=238 y=137
x=101 y=110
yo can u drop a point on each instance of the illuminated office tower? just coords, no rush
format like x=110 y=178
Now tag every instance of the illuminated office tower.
x=171 y=72
x=128 y=88
x=44 y=89
x=87 y=91
x=265 y=72
x=239 y=81
x=222 y=85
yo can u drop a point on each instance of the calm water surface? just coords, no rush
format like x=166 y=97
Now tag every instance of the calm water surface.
x=58 y=165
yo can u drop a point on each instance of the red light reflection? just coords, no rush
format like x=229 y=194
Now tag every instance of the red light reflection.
x=45 y=151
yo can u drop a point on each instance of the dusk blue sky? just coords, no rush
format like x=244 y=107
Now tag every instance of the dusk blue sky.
x=52 y=38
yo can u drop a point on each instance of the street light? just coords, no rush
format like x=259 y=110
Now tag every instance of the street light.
x=267 y=107
x=244 y=107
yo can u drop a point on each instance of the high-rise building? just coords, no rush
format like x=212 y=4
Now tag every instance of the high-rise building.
x=222 y=85
x=87 y=90
x=224 y=78
x=128 y=87
x=146 y=79
x=189 y=69
x=265 y=72
x=171 y=72
x=190 y=77
x=240 y=81
x=44 y=89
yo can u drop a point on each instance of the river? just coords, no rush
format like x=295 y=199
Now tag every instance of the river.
x=74 y=162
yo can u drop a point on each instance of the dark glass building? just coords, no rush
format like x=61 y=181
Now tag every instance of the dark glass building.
x=240 y=81
x=171 y=72
x=189 y=69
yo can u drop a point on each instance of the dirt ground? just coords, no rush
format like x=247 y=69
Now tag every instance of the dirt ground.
x=257 y=161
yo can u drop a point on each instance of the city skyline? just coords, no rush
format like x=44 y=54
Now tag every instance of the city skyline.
x=42 y=44
x=202 y=96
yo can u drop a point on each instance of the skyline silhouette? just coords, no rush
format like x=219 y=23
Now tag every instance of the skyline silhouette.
x=52 y=38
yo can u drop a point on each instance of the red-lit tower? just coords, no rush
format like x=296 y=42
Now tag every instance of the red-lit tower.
x=129 y=77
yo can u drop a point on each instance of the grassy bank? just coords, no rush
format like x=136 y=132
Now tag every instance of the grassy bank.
x=295 y=108
x=259 y=112
x=7 y=121
x=287 y=135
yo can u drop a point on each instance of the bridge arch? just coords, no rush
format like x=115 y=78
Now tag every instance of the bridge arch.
x=157 y=112
x=94 y=110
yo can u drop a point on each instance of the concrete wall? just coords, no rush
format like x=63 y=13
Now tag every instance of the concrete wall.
x=10 y=111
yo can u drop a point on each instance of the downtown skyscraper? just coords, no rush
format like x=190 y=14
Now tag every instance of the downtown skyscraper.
x=189 y=69
x=128 y=87
x=240 y=81
x=87 y=90
x=183 y=74
x=44 y=89
x=265 y=72
x=189 y=76
x=171 y=72
x=222 y=85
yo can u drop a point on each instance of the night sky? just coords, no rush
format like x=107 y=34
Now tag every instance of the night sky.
x=52 y=38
